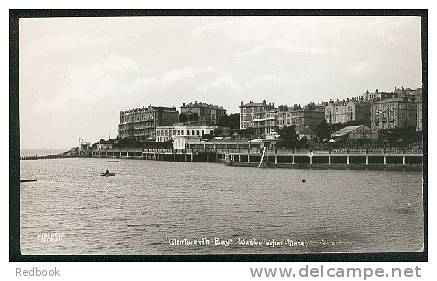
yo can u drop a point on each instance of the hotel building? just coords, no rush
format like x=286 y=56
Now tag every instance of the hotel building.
x=252 y=111
x=141 y=123
x=347 y=110
x=208 y=114
x=393 y=113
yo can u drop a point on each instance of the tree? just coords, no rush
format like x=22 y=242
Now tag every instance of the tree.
x=224 y=121
x=183 y=117
x=288 y=137
x=230 y=121
x=302 y=143
x=234 y=121
x=323 y=130
x=246 y=133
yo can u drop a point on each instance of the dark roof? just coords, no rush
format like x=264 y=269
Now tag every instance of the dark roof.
x=257 y=104
x=201 y=104
x=349 y=129
x=148 y=109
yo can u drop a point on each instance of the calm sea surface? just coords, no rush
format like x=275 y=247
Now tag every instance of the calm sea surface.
x=149 y=205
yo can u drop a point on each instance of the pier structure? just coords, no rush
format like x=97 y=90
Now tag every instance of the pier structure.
x=347 y=159
x=211 y=151
x=255 y=155
x=284 y=158
x=158 y=154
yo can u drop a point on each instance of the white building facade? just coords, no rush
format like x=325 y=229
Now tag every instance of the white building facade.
x=167 y=133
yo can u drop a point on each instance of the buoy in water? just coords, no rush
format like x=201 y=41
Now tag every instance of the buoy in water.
x=304 y=180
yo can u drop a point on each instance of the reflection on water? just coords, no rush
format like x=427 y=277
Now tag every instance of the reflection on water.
x=149 y=204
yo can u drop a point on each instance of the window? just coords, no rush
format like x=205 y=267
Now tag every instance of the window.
x=203 y=132
x=188 y=132
x=192 y=132
x=198 y=132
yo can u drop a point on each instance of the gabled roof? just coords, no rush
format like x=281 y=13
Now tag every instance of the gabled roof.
x=346 y=130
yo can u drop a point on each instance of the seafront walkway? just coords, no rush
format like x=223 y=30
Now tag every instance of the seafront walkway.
x=410 y=159
x=393 y=158
x=294 y=158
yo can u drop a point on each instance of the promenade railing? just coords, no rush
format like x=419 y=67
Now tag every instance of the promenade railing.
x=275 y=151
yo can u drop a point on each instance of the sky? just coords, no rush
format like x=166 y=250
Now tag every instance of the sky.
x=77 y=74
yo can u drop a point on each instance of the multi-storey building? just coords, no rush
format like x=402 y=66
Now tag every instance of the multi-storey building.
x=285 y=115
x=310 y=116
x=251 y=111
x=207 y=114
x=304 y=119
x=266 y=122
x=395 y=109
x=266 y=119
x=141 y=123
x=394 y=113
x=347 y=110
x=166 y=133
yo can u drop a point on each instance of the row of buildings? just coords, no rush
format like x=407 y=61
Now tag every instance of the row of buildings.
x=265 y=118
x=401 y=108
x=161 y=124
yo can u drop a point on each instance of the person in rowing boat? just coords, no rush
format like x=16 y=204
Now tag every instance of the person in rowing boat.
x=107 y=172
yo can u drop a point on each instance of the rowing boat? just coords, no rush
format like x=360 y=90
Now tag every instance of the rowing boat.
x=107 y=174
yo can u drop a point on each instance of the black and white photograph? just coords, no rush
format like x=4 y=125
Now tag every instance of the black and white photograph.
x=231 y=134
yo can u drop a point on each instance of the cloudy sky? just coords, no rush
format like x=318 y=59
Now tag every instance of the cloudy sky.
x=76 y=74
